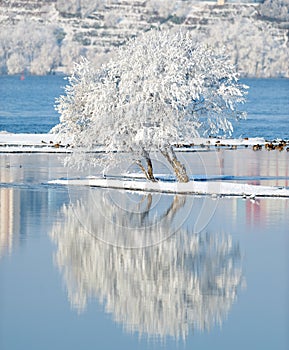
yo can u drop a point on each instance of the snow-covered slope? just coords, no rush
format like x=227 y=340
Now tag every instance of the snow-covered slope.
x=95 y=28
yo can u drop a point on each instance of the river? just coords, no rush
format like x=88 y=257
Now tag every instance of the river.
x=97 y=268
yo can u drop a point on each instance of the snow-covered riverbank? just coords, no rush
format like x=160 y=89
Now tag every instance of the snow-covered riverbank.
x=250 y=174
x=50 y=143
x=214 y=188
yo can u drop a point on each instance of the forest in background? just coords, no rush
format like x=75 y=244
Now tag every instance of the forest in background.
x=47 y=36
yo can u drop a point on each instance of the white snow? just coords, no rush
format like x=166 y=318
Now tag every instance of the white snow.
x=47 y=143
x=32 y=143
x=50 y=143
x=7 y=138
x=235 y=26
x=192 y=187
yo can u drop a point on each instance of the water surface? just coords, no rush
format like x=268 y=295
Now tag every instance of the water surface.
x=203 y=273
x=91 y=268
x=27 y=106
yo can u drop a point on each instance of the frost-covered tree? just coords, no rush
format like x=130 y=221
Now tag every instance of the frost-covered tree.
x=160 y=89
x=82 y=8
x=169 y=8
x=28 y=46
x=275 y=9
x=70 y=53
x=253 y=46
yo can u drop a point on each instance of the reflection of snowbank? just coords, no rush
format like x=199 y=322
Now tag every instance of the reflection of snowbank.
x=186 y=282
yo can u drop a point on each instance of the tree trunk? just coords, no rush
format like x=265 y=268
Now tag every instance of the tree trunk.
x=150 y=169
x=149 y=173
x=179 y=168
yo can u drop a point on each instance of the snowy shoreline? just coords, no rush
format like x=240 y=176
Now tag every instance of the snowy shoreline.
x=50 y=143
x=209 y=185
x=212 y=188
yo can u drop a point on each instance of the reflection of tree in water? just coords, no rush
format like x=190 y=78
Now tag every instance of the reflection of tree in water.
x=188 y=281
x=132 y=222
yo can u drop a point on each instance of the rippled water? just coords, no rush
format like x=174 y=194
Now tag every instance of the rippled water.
x=91 y=268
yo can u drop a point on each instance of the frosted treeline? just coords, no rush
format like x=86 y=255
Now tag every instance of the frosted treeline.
x=275 y=9
x=84 y=8
x=181 y=283
x=252 y=39
x=29 y=46
x=253 y=46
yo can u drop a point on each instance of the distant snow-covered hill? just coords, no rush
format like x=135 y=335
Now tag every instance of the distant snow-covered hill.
x=46 y=36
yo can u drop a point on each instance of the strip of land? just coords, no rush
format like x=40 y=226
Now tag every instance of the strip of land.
x=51 y=143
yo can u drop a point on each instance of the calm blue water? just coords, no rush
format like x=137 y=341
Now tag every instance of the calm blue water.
x=28 y=106
x=268 y=109
x=203 y=273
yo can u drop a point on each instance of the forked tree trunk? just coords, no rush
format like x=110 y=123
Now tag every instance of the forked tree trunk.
x=149 y=173
x=179 y=168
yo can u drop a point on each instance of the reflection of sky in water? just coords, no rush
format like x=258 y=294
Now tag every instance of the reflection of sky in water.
x=33 y=296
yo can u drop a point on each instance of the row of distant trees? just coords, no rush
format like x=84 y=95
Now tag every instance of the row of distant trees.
x=277 y=9
x=83 y=8
x=28 y=46
x=251 y=44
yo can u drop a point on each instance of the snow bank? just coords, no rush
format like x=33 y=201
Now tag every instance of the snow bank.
x=50 y=143
x=218 y=188
x=7 y=138
x=32 y=143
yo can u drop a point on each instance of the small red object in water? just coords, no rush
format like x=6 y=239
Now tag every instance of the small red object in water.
x=22 y=76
